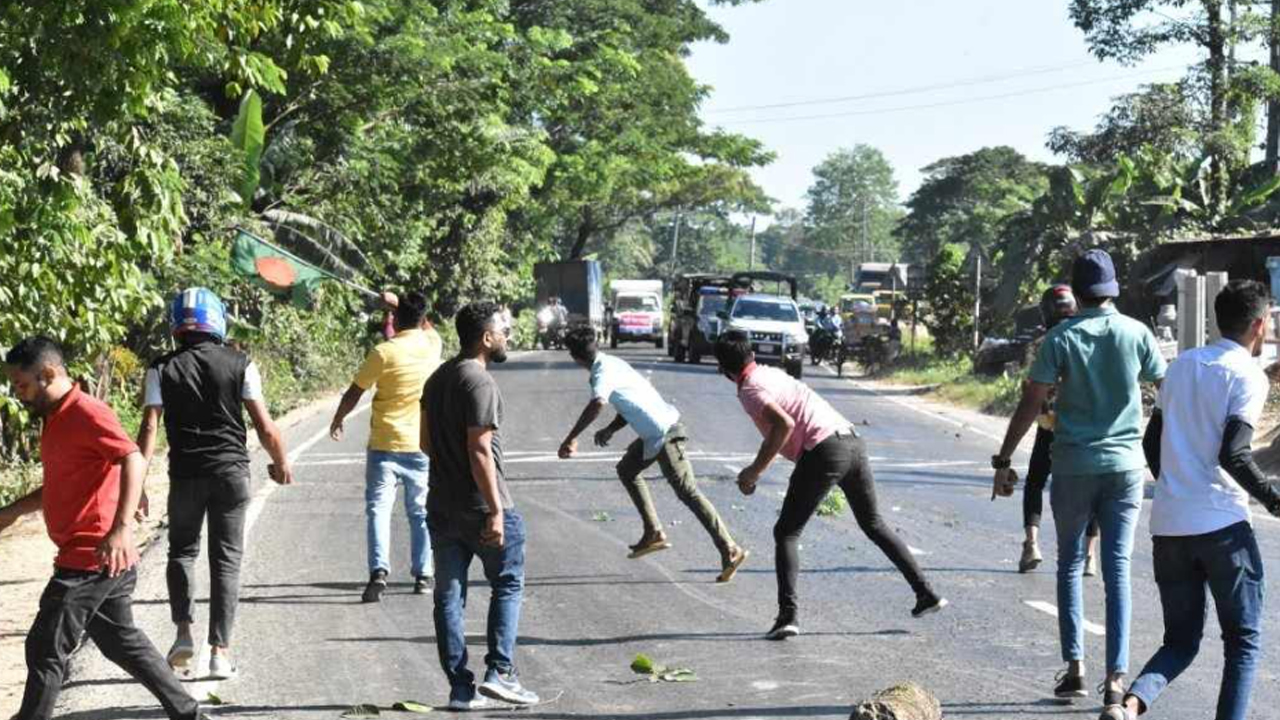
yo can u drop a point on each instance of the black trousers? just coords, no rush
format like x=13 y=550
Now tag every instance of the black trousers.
x=838 y=460
x=77 y=602
x=1038 y=472
x=225 y=501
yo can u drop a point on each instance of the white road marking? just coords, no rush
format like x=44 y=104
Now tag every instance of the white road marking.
x=916 y=551
x=330 y=463
x=1051 y=609
x=202 y=689
x=764 y=685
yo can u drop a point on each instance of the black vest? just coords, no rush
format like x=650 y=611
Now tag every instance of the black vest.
x=202 y=387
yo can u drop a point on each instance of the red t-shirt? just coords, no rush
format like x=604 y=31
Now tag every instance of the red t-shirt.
x=81 y=448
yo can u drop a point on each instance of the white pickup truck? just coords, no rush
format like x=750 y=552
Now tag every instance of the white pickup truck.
x=635 y=315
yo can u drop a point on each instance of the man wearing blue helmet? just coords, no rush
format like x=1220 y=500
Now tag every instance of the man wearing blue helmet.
x=201 y=391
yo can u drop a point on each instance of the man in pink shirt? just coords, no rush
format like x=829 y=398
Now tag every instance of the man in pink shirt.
x=827 y=451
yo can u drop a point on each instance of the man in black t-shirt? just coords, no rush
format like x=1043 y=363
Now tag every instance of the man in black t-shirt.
x=201 y=391
x=469 y=509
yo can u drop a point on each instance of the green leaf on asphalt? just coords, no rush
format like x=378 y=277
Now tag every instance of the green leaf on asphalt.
x=642 y=665
x=833 y=504
x=411 y=706
x=362 y=711
x=602 y=516
x=214 y=700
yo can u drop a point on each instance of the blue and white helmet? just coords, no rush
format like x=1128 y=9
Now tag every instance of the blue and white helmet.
x=198 y=310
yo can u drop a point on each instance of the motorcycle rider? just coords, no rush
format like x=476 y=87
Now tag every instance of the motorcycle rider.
x=827 y=335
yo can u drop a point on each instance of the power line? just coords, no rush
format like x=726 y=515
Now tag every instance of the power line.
x=951 y=103
x=906 y=91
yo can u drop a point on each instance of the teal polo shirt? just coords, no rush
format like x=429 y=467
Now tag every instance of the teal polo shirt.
x=1097 y=359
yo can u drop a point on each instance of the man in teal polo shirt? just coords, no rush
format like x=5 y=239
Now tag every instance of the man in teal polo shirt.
x=1097 y=360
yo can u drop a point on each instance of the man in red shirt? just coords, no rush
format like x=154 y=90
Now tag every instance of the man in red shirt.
x=93 y=475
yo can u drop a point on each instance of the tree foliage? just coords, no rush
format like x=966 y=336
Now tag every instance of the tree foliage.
x=444 y=145
x=965 y=200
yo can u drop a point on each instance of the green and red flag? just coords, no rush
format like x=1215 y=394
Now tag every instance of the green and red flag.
x=275 y=269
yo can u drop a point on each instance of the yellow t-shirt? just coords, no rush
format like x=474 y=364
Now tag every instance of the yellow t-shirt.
x=399 y=367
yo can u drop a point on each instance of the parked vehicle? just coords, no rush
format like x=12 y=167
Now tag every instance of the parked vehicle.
x=771 y=319
x=695 y=324
x=579 y=285
x=635 y=315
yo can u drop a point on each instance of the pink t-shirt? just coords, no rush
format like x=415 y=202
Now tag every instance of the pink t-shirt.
x=815 y=419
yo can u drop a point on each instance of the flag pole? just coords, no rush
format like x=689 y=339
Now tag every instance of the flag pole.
x=354 y=286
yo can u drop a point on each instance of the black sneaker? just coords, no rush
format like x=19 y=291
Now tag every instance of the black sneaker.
x=377 y=585
x=1069 y=686
x=784 y=627
x=505 y=686
x=423 y=584
x=1110 y=698
x=927 y=605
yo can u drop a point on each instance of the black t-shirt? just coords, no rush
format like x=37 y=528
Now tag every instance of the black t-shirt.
x=202 y=386
x=461 y=394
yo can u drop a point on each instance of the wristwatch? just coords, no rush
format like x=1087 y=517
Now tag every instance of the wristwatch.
x=1001 y=463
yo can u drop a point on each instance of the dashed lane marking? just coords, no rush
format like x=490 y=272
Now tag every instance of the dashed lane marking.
x=1051 y=609
x=202 y=689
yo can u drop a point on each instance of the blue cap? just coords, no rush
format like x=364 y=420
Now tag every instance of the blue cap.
x=1094 y=275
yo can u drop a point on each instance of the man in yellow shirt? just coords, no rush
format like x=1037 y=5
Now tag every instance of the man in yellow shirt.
x=399 y=368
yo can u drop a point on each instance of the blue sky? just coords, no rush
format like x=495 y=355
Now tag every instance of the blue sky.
x=785 y=51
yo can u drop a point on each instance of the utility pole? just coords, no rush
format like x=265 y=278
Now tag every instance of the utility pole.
x=866 y=244
x=751 y=261
x=675 y=246
x=977 y=302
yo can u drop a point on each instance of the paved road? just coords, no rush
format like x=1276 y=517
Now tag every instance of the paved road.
x=310 y=650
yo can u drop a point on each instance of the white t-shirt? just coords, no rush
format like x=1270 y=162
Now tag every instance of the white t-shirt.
x=614 y=381
x=1203 y=388
x=252 y=389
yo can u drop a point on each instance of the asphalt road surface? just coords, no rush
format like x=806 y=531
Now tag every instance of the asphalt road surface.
x=309 y=649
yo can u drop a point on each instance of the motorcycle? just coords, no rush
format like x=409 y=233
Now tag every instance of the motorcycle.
x=551 y=330
x=823 y=345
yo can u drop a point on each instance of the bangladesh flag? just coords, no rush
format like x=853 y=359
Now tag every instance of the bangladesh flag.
x=274 y=269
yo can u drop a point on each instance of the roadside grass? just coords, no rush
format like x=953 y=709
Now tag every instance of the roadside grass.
x=952 y=380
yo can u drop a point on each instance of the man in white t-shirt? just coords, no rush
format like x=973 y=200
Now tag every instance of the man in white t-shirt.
x=1199 y=445
x=661 y=439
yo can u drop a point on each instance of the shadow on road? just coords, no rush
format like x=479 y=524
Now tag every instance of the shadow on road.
x=840 y=711
x=141 y=713
x=1009 y=709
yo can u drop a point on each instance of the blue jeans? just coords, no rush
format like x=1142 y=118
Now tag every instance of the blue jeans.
x=383 y=471
x=1115 y=499
x=456 y=539
x=1228 y=563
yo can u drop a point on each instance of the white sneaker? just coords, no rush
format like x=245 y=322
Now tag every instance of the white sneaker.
x=181 y=655
x=477 y=702
x=221 y=668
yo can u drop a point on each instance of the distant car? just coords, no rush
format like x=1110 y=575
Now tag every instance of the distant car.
x=776 y=329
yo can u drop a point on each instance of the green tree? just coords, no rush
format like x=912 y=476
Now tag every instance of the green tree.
x=1163 y=117
x=853 y=207
x=627 y=137
x=1129 y=30
x=949 y=301
x=966 y=199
